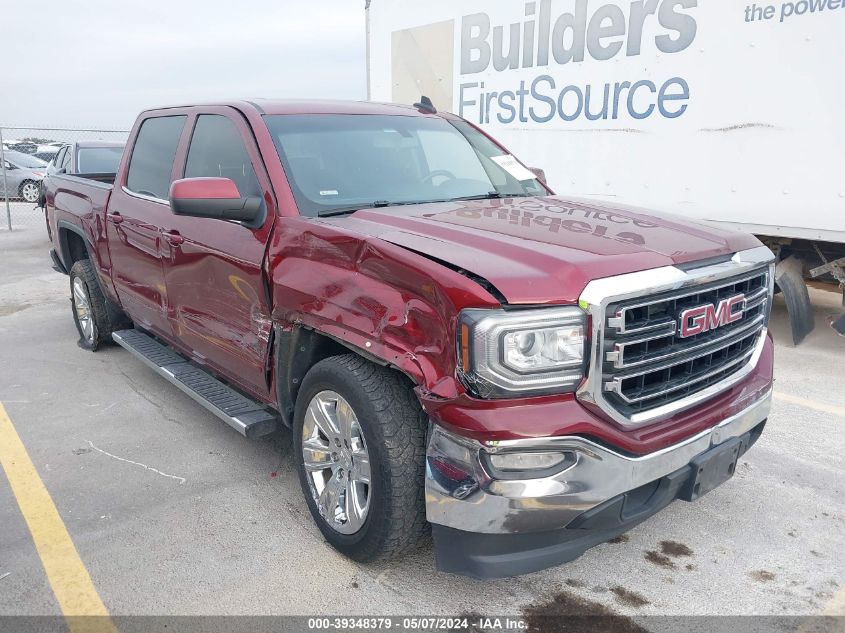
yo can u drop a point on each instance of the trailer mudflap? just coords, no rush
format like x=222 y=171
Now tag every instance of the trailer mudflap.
x=789 y=276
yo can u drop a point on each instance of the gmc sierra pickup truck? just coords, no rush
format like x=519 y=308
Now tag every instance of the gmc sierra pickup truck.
x=454 y=347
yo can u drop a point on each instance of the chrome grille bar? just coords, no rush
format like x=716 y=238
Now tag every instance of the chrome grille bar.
x=619 y=320
x=618 y=355
x=642 y=370
x=616 y=383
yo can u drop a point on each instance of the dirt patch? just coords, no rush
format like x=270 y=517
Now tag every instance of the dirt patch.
x=761 y=575
x=474 y=619
x=622 y=538
x=690 y=567
x=567 y=613
x=661 y=560
x=6 y=310
x=572 y=582
x=629 y=598
x=674 y=549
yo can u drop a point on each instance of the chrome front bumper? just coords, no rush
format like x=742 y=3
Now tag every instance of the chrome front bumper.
x=461 y=493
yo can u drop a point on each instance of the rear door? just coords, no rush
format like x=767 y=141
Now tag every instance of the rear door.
x=137 y=212
x=218 y=304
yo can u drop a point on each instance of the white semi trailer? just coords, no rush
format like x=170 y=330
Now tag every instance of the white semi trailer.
x=730 y=112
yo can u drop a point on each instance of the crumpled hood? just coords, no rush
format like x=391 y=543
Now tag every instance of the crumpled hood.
x=545 y=249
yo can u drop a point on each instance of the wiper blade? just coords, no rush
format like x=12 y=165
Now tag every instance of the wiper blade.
x=492 y=195
x=377 y=204
x=327 y=213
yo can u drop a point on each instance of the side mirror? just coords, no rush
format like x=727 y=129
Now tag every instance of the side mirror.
x=216 y=198
x=9 y=167
x=538 y=173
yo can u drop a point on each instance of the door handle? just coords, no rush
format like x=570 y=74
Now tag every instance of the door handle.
x=115 y=217
x=173 y=237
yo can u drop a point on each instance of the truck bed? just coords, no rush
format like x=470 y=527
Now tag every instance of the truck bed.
x=103 y=177
x=78 y=196
x=77 y=204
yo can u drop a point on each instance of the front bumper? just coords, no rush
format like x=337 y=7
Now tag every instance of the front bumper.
x=489 y=527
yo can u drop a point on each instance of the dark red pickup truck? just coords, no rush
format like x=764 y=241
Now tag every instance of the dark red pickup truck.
x=452 y=344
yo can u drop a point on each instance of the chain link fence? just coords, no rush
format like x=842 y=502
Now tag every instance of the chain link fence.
x=27 y=155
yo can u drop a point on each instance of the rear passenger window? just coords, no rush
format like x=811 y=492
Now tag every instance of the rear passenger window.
x=153 y=155
x=217 y=150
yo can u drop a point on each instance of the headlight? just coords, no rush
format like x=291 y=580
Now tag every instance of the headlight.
x=522 y=352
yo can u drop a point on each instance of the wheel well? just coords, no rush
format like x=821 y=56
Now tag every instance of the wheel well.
x=296 y=351
x=73 y=247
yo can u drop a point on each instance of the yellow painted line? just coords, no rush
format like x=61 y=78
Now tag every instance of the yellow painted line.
x=836 y=605
x=810 y=404
x=70 y=581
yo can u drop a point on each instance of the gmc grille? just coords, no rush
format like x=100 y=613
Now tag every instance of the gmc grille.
x=647 y=364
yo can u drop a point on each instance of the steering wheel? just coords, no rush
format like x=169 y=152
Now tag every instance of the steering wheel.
x=439 y=172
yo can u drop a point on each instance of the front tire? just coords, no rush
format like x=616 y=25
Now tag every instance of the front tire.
x=359 y=441
x=30 y=191
x=90 y=312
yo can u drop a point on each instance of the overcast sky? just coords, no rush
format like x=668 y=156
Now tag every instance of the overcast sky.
x=99 y=62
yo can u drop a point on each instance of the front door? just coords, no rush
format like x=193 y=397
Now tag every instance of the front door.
x=138 y=209
x=216 y=298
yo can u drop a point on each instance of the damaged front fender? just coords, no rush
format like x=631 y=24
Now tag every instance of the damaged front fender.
x=393 y=304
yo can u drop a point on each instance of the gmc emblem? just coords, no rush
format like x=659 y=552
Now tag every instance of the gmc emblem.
x=708 y=317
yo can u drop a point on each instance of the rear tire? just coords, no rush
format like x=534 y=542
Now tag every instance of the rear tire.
x=389 y=428
x=91 y=315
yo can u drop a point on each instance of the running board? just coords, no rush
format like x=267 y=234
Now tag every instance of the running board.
x=246 y=416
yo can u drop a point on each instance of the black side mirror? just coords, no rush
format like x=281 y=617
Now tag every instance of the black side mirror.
x=216 y=198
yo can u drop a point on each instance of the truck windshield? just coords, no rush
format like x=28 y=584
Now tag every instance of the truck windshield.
x=99 y=160
x=338 y=162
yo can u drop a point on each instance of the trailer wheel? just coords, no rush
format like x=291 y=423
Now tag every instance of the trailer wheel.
x=359 y=441
x=90 y=312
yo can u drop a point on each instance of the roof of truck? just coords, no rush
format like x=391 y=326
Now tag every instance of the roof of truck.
x=327 y=106
x=313 y=106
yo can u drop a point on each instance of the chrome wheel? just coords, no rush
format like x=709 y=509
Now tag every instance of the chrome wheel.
x=30 y=191
x=337 y=464
x=82 y=307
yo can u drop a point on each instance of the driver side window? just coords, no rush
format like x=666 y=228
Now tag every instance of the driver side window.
x=217 y=150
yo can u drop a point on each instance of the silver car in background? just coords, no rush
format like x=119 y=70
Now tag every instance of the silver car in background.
x=23 y=175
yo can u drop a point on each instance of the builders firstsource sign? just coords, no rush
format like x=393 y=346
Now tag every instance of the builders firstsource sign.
x=576 y=61
x=520 y=90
